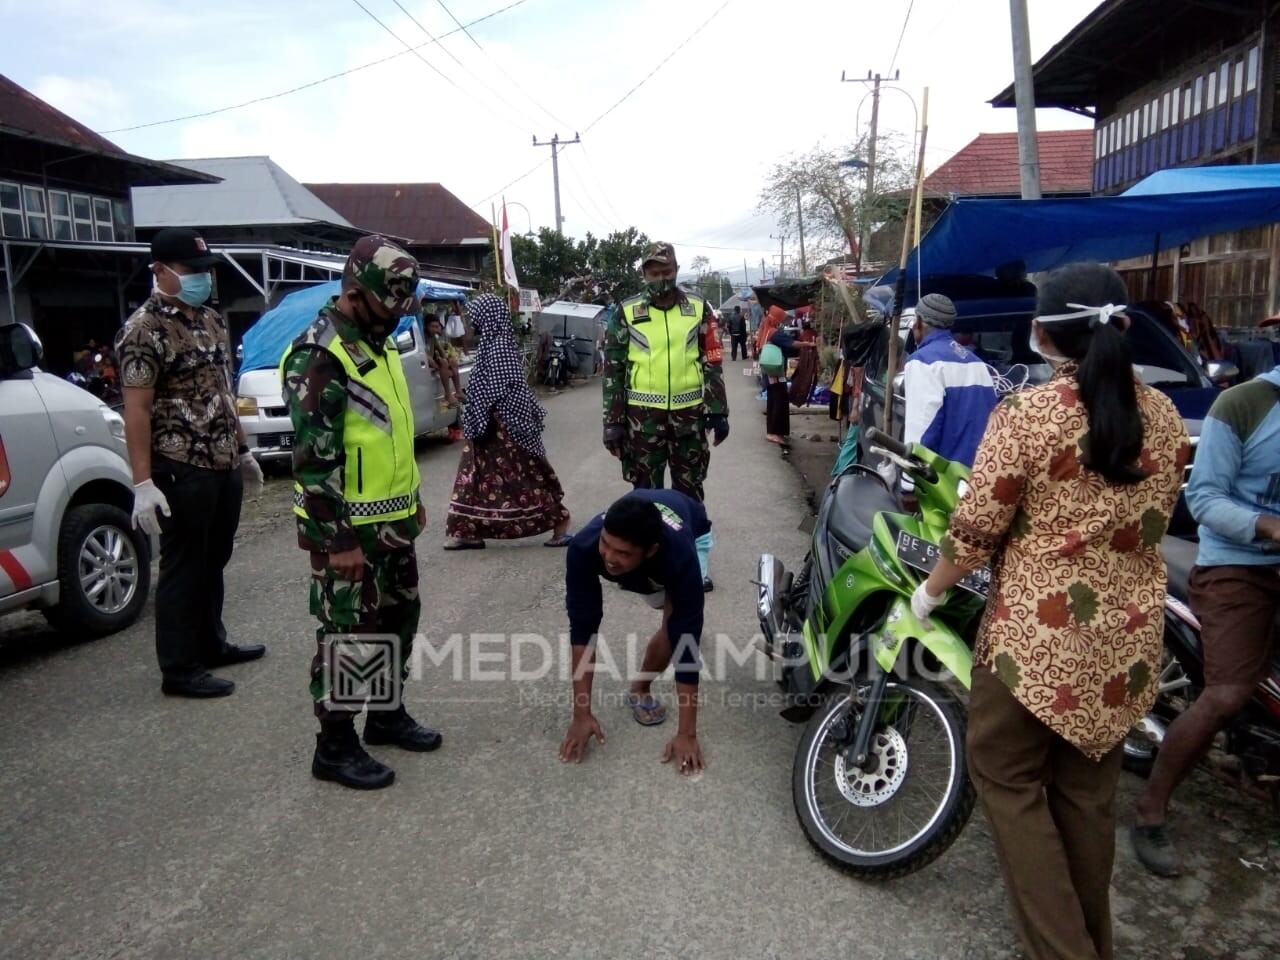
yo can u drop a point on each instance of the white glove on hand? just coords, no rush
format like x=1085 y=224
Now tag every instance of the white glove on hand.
x=251 y=473
x=147 y=499
x=923 y=603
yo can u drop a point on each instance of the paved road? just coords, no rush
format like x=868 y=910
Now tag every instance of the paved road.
x=133 y=825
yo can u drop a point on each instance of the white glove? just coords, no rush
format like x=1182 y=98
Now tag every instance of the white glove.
x=147 y=499
x=251 y=473
x=923 y=603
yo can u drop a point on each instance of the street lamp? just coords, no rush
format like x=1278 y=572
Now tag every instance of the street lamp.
x=517 y=203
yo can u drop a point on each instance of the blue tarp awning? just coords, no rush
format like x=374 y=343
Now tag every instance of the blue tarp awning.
x=977 y=236
x=266 y=340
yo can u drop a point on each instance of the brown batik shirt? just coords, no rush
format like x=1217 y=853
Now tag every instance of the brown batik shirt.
x=187 y=362
x=1074 y=623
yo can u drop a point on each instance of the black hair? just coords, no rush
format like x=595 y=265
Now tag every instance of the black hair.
x=636 y=521
x=1105 y=374
x=432 y=318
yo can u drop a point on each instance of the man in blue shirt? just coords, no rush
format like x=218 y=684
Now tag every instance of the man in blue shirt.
x=647 y=543
x=1235 y=591
x=949 y=390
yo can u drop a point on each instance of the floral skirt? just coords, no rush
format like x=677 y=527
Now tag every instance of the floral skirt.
x=503 y=492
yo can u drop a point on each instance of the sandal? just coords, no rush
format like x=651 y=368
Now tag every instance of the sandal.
x=647 y=710
x=561 y=541
x=464 y=545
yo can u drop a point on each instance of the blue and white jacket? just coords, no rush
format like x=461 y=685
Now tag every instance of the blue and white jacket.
x=950 y=395
x=1236 y=477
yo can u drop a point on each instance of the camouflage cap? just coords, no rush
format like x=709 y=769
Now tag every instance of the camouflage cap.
x=386 y=271
x=661 y=253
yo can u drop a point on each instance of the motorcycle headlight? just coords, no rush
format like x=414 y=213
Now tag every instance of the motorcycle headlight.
x=884 y=563
x=246 y=407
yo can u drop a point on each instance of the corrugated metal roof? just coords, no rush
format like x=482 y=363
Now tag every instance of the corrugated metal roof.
x=24 y=115
x=425 y=213
x=988 y=166
x=255 y=191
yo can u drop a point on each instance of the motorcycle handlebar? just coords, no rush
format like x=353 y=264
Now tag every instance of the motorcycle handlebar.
x=882 y=439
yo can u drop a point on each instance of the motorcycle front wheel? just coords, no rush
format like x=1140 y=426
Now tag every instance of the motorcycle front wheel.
x=910 y=802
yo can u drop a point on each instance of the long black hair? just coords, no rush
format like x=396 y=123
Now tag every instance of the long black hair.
x=1105 y=374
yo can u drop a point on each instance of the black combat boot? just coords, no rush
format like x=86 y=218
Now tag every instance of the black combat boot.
x=397 y=728
x=340 y=757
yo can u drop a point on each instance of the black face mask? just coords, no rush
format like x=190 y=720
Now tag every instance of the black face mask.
x=368 y=320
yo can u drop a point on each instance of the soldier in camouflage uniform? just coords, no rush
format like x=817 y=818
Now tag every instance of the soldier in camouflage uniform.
x=663 y=382
x=356 y=496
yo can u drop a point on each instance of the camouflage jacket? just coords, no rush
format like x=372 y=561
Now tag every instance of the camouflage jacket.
x=315 y=388
x=617 y=341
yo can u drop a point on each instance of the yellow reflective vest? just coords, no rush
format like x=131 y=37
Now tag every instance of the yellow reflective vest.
x=381 y=478
x=664 y=365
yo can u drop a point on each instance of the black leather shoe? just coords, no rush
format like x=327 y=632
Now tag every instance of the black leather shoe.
x=397 y=728
x=232 y=654
x=202 y=687
x=340 y=758
x=708 y=585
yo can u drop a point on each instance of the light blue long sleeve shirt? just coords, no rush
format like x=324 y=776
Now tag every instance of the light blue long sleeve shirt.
x=1236 y=477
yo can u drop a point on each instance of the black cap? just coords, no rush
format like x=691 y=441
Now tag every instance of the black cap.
x=182 y=245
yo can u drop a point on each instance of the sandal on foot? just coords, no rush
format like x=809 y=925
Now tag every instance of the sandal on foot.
x=561 y=541
x=647 y=710
x=464 y=545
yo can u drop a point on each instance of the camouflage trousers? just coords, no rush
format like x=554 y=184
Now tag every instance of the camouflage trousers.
x=385 y=602
x=658 y=440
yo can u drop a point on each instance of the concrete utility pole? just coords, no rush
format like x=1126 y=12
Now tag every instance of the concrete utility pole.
x=1025 y=97
x=874 y=80
x=555 y=143
x=782 y=253
x=800 y=216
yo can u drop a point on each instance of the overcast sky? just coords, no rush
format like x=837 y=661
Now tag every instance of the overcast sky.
x=682 y=158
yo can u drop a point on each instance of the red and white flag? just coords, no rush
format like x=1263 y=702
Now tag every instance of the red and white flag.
x=508 y=263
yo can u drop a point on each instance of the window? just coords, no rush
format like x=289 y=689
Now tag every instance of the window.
x=1251 y=82
x=102 y=224
x=1155 y=116
x=1199 y=92
x=1164 y=113
x=33 y=203
x=60 y=215
x=1224 y=72
x=122 y=220
x=1210 y=89
x=82 y=216
x=1186 y=102
x=1128 y=126
x=1239 y=83
x=1173 y=112
x=11 y=222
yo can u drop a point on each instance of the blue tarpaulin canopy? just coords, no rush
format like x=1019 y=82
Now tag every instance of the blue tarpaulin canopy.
x=266 y=340
x=977 y=236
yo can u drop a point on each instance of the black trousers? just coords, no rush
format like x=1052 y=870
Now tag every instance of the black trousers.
x=738 y=340
x=195 y=546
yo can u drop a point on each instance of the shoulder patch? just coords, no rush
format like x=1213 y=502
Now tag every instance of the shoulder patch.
x=670 y=517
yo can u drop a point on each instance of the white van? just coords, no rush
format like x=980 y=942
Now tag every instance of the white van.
x=67 y=545
x=265 y=418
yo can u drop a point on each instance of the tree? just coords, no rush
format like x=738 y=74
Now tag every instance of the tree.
x=547 y=263
x=590 y=270
x=833 y=198
x=714 y=287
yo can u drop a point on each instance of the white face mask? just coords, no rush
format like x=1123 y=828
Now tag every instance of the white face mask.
x=1033 y=341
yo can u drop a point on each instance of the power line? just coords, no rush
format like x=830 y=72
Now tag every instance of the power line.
x=528 y=173
x=515 y=111
x=497 y=63
x=309 y=84
x=660 y=65
x=905 y=21
x=604 y=190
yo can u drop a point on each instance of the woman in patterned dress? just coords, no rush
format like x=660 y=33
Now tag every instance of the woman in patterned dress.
x=505 y=488
x=1070 y=495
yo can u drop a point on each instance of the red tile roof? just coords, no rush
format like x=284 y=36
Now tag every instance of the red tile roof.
x=989 y=166
x=425 y=213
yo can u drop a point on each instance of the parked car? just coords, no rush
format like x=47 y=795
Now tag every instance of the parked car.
x=259 y=392
x=998 y=328
x=67 y=546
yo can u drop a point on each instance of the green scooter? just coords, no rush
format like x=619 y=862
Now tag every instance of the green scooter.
x=880 y=782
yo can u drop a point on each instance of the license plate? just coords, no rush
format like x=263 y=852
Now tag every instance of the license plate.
x=922 y=555
x=286 y=441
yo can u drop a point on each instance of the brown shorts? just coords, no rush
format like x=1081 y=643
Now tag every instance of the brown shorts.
x=1237 y=608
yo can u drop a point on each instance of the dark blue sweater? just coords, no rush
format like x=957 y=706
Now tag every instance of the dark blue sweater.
x=674 y=568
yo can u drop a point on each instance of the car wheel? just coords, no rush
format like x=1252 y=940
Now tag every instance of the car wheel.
x=104 y=571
